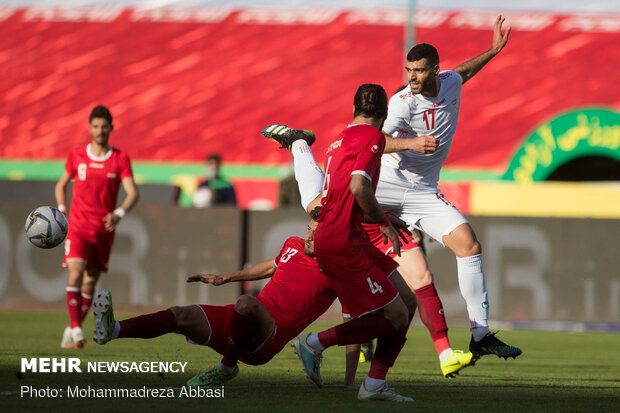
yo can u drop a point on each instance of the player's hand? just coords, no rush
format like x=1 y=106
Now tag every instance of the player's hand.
x=400 y=226
x=389 y=233
x=424 y=144
x=499 y=39
x=207 y=279
x=110 y=220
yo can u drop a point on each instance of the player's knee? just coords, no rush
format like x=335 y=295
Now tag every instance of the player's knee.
x=426 y=278
x=185 y=317
x=398 y=315
x=246 y=304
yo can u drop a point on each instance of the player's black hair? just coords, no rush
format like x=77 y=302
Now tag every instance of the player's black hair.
x=100 y=111
x=215 y=157
x=371 y=101
x=315 y=213
x=423 y=51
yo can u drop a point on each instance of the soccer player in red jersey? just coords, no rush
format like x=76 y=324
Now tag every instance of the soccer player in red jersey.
x=353 y=265
x=97 y=171
x=254 y=329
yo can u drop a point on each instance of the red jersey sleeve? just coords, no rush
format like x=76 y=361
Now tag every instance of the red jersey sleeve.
x=125 y=166
x=70 y=164
x=369 y=156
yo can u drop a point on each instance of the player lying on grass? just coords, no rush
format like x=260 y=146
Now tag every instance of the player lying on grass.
x=254 y=329
x=310 y=182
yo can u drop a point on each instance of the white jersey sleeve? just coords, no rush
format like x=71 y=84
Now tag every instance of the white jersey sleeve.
x=411 y=115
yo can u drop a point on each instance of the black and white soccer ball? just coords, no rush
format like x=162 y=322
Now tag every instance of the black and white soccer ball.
x=46 y=227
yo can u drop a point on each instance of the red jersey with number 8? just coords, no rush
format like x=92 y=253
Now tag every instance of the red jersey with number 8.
x=96 y=181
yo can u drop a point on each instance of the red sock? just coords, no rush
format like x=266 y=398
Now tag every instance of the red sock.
x=242 y=328
x=74 y=302
x=388 y=349
x=358 y=330
x=86 y=301
x=149 y=325
x=431 y=314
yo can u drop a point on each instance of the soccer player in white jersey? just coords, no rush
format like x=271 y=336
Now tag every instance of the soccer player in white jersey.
x=429 y=106
x=420 y=126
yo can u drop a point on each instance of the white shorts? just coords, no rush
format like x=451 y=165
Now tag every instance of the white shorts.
x=421 y=206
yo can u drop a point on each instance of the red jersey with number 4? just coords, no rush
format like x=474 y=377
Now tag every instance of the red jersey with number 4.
x=357 y=150
x=96 y=181
x=298 y=293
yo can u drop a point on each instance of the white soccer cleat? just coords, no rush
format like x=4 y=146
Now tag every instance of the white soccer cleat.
x=78 y=337
x=67 y=339
x=383 y=393
x=104 y=317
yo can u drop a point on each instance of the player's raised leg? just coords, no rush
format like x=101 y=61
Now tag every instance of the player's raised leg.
x=147 y=325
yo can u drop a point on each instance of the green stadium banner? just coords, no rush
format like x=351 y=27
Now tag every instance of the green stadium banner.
x=583 y=132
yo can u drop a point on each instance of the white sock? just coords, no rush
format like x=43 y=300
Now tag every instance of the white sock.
x=313 y=341
x=117 y=329
x=474 y=291
x=443 y=356
x=308 y=174
x=371 y=384
x=225 y=369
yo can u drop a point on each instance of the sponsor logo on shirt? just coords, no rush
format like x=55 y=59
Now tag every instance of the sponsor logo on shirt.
x=406 y=95
x=111 y=175
x=96 y=165
x=334 y=145
x=440 y=103
x=375 y=148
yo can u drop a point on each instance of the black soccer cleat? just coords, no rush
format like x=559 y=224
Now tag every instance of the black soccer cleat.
x=285 y=136
x=492 y=345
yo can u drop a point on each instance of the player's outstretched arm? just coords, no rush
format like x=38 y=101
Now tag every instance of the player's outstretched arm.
x=468 y=69
x=256 y=272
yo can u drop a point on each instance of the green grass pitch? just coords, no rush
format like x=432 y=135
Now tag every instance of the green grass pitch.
x=558 y=372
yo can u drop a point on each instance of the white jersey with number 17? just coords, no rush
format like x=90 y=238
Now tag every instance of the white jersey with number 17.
x=411 y=115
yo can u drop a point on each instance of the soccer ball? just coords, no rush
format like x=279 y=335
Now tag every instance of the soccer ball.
x=46 y=227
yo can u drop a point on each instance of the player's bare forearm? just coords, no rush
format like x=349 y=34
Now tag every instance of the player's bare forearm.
x=60 y=190
x=420 y=144
x=468 y=69
x=362 y=191
x=256 y=272
x=133 y=195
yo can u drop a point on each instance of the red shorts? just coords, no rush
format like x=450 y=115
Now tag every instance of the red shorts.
x=94 y=249
x=218 y=318
x=360 y=279
x=377 y=240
